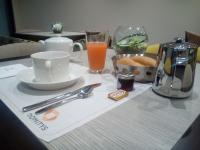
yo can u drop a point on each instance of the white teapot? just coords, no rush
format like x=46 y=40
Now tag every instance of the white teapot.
x=62 y=44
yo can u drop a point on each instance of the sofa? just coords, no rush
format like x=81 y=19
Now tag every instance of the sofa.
x=13 y=48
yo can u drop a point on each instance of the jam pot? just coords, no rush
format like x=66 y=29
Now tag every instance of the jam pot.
x=125 y=82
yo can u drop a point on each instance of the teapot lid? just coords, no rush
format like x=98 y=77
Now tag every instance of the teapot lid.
x=180 y=45
x=58 y=39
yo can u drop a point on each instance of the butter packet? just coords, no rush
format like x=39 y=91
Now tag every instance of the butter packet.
x=118 y=95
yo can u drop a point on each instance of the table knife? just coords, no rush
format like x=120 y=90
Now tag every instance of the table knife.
x=57 y=98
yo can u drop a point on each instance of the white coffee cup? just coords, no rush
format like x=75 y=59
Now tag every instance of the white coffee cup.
x=51 y=66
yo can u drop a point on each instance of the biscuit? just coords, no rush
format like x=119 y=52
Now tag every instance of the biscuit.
x=117 y=95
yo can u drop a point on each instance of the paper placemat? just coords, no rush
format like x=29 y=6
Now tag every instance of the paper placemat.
x=11 y=70
x=65 y=118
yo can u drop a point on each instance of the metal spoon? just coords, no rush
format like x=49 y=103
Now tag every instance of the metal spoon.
x=84 y=93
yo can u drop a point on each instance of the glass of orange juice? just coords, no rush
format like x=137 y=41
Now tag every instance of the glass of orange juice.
x=96 y=43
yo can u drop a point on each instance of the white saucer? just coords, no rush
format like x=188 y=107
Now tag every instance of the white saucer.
x=27 y=76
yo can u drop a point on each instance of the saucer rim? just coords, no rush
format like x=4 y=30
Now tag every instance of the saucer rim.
x=38 y=82
x=40 y=85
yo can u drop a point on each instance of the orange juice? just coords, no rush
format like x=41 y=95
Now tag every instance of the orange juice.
x=96 y=55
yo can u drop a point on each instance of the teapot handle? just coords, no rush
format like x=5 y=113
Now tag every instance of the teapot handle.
x=176 y=82
x=78 y=56
x=79 y=45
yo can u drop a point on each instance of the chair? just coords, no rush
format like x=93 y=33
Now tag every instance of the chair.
x=193 y=38
x=12 y=48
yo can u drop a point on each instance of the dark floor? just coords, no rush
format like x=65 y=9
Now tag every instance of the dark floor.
x=14 y=135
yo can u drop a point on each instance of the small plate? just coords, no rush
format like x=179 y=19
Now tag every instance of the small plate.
x=27 y=76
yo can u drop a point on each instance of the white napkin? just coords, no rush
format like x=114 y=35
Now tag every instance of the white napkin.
x=11 y=70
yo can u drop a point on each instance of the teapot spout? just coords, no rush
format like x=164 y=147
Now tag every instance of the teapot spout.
x=42 y=42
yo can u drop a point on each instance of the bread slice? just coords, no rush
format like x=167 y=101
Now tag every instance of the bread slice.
x=129 y=61
x=146 y=61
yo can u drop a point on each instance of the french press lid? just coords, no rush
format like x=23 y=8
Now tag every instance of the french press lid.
x=180 y=45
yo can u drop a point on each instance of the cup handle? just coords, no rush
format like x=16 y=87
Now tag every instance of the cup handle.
x=81 y=50
x=48 y=64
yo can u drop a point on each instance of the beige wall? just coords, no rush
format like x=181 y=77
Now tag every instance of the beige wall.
x=163 y=19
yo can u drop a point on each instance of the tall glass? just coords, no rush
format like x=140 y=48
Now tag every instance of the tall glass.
x=96 y=44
